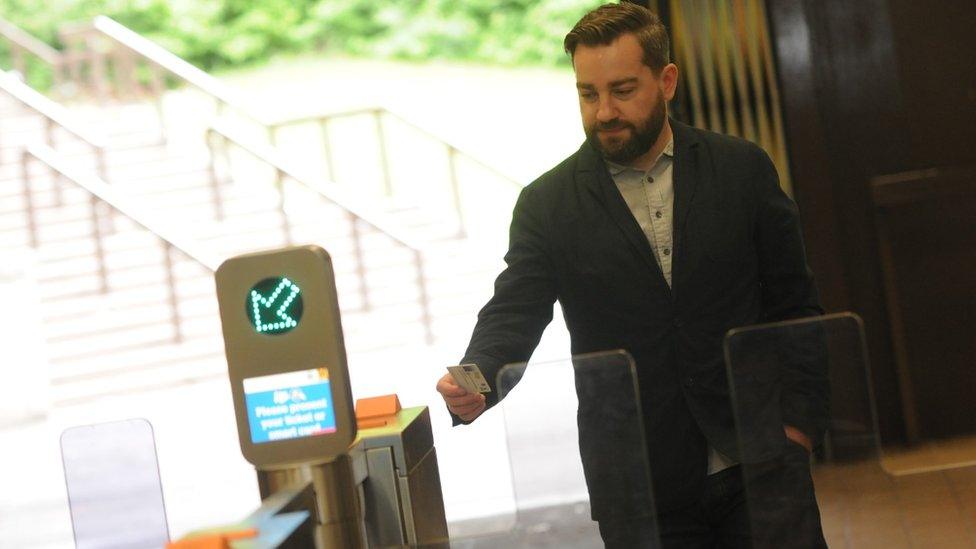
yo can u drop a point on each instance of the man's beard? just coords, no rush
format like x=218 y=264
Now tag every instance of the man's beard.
x=642 y=136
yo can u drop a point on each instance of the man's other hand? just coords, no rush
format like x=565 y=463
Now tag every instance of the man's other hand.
x=460 y=402
x=798 y=437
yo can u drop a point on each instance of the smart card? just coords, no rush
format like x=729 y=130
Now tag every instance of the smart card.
x=469 y=377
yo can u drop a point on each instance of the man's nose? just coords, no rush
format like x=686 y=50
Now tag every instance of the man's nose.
x=606 y=111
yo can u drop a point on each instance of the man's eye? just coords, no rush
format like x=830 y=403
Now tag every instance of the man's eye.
x=623 y=92
x=588 y=96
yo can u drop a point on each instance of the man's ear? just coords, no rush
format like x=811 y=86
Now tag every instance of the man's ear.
x=669 y=81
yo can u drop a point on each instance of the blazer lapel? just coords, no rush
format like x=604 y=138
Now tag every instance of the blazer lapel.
x=593 y=175
x=686 y=175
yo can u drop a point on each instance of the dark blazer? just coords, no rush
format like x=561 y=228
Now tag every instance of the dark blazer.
x=738 y=260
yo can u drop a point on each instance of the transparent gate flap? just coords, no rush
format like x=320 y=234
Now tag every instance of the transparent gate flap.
x=809 y=374
x=113 y=485
x=577 y=447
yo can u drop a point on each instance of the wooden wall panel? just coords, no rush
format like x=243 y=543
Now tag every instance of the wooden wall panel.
x=926 y=222
x=871 y=88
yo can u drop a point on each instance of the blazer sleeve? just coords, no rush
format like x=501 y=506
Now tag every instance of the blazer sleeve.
x=511 y=324
x=788 y=292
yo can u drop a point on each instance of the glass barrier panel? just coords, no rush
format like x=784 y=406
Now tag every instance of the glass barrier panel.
x=114 y=491
x=807 y=436
x=577 y=453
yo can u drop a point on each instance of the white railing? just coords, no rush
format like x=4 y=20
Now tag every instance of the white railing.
x=101 y=193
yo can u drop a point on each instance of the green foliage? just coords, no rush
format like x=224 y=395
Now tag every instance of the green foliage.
x=222 y=33
x=495 y=31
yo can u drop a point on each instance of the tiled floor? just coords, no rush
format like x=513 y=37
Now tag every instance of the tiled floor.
x=931 y=456
x=862 y=507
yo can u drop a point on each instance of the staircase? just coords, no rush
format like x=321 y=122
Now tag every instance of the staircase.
x=140 y=186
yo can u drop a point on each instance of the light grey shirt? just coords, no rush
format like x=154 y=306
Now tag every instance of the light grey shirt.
x=650 y=197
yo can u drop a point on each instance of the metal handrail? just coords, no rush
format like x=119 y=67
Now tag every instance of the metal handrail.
x=101 y=192
x=453 y=151
x=160 y=58
x=269 y=156
x=224 y=97
x=52 y=111
x=38 y=48
x=54 y=115
x=21 y=41
x=46 y=107
x=173 y=64
x=320 y=117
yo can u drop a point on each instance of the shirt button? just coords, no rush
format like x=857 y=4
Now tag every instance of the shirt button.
x=689 y=381
x=667 y=251
x=658 y=214
x=650 y=179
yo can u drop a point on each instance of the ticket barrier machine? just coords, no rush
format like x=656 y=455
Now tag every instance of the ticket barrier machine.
x=321 y=479
x=394 y=499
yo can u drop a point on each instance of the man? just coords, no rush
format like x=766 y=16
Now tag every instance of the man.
x=657 y=238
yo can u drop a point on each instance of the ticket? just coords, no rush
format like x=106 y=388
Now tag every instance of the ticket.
x=469 y=377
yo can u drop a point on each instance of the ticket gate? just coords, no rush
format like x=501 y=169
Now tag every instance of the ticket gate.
x=332 y=475
x=575 y=449
x=384 y=492
x=335 y=475
x=394 y=499
x=295 y=417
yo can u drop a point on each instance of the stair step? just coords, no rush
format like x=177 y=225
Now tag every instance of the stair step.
x=121 y=241
x=64 y=320
x=11 y=169
x=79 y=306
x=150 y=175
x=14 y=219
x=135 y=337
x=120 y=320
x=160 y=375
x=157 y=153
x=82 y=287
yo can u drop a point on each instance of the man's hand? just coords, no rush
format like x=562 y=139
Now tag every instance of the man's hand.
x=460 y=402
x=798 y=437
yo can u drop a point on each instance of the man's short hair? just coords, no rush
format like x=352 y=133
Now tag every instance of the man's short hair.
x=608 y=22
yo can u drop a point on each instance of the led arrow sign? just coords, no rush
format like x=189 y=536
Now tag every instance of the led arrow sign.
x=274 y=306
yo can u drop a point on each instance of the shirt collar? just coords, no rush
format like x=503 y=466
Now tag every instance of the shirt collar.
x=617 y=169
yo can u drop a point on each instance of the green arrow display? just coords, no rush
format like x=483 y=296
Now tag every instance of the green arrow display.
x=274 y=305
